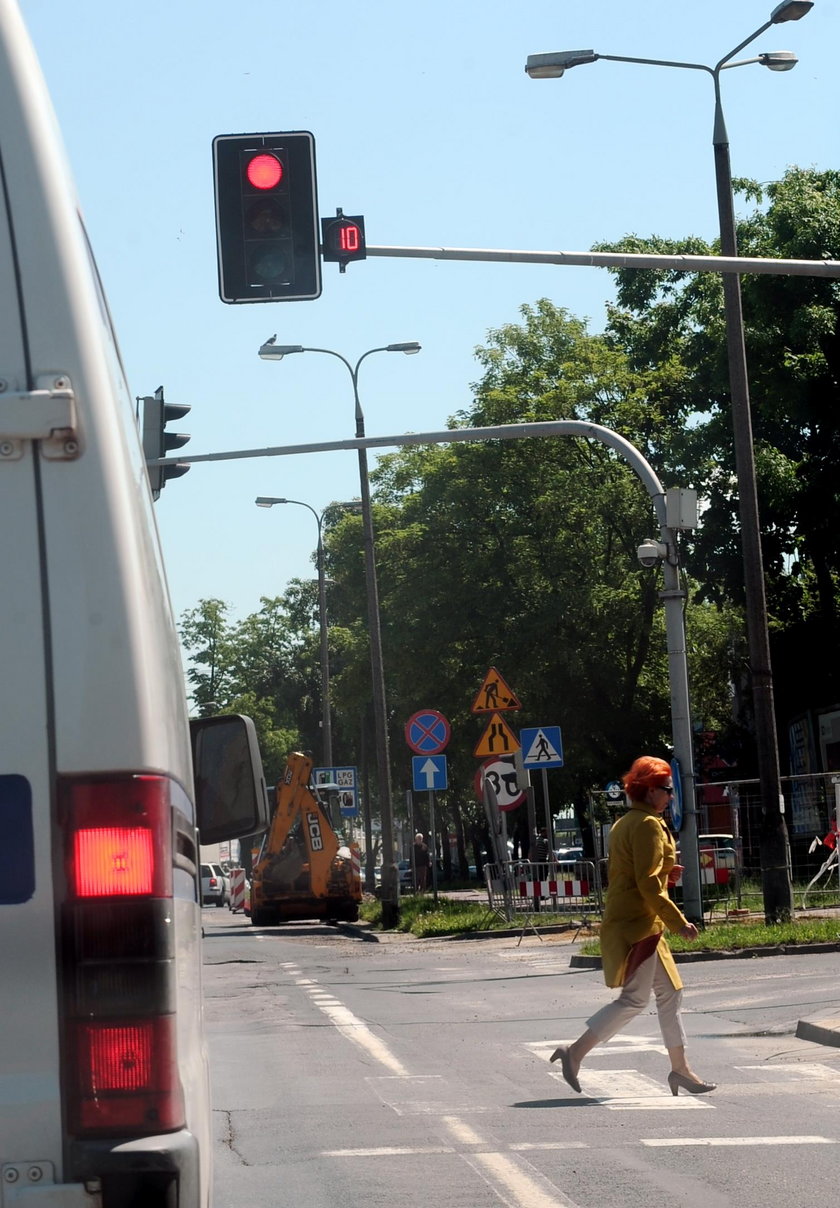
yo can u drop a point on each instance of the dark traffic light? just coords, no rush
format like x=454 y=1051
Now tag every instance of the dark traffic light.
x=157 y=442
x=343 y=238
x=267 y=217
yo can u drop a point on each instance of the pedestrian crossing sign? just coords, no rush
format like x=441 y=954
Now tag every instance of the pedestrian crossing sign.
x=542 y=747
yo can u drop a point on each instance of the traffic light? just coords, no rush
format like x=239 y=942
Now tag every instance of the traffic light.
x=157 y=442
x=267 y=217
x=343 y=239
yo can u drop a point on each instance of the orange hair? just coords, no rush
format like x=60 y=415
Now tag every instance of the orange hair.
x=647 y=772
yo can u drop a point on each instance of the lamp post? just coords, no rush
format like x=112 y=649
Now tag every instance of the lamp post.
x=270 y=351
x=268 y=501
x=778 y=896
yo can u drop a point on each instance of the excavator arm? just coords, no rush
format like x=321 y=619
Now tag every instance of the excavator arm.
x=301 y=846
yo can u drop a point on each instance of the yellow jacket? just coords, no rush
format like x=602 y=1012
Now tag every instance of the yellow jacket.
x=642 y=853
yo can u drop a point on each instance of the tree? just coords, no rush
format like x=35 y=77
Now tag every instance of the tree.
x=206 y=637
x=521 y=554
x=792 y=327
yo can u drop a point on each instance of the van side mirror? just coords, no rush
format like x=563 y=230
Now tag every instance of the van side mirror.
x=230 y=795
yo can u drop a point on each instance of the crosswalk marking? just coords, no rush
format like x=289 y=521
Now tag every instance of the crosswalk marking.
x=628 y=1090
x=681 y=1142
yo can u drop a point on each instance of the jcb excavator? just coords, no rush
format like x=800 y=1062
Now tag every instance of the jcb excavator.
x=302 y=871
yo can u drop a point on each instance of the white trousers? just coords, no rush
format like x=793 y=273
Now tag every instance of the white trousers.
x=635 y=996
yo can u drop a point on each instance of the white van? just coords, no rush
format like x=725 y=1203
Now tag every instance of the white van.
x=103 y=1075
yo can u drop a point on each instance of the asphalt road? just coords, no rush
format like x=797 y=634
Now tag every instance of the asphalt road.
x=352 y=1072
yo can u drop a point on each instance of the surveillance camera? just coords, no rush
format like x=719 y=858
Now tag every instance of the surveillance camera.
x=651 y=552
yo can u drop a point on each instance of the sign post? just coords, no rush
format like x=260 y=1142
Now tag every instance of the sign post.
x=427 y=732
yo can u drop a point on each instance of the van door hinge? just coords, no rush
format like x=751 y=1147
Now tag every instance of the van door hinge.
x=46 y=414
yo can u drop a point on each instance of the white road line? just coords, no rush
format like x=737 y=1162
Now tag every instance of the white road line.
x=524 y=1146
x=532 y=1191
x=349 y=1025
x=354 y=1029
x=662 y=1142
x=387 y=1151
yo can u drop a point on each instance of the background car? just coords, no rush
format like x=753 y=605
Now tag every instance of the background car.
x=568 y=855
x=215 y=886
x=723 y=848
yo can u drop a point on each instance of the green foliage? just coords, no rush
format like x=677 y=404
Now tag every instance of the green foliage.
x=732 y=937
x=792 y=327
x=422 y=917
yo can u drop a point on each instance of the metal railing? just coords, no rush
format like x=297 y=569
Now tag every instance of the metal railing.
x=544 y=891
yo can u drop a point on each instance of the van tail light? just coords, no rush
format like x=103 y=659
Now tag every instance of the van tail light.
x=120 y=1049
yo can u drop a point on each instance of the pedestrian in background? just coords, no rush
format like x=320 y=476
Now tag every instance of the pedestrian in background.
x=634 y=951
x=421 y=862
x=541 y=847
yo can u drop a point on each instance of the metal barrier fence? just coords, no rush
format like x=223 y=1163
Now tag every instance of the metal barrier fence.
x=548 y=891
x=811 y=809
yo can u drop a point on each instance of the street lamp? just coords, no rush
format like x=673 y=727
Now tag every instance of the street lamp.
x=268 y=501
x=270 y=351
x=778 y=896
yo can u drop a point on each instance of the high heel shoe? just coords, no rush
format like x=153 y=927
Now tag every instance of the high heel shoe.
x=562 y=1054
x=693 y=1085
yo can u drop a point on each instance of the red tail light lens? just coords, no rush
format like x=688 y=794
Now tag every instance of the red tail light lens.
x=120 y=1057
x=127 y=1080
x=113 y=860
x=119 y=837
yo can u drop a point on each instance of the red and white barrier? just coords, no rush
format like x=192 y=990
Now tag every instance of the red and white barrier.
x=554 y=889
x=237 y=889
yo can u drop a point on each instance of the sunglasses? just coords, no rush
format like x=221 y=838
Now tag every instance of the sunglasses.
x=666 y=788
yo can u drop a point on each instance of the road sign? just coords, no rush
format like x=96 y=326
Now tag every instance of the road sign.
x=504 y=781
x=497 y=739
x=429 y=773
x=342 y=782
x=427 y=732
x=542 y=747
x=494 y=695
x=676 y=806
x=614 y=791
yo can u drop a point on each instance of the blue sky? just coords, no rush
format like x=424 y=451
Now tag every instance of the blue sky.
x=426 y=123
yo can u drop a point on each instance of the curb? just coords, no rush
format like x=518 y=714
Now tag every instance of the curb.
x=820 y=1031
x=504 y=933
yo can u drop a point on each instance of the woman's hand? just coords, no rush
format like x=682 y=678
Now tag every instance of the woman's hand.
x=675 y=874
x=688 y=932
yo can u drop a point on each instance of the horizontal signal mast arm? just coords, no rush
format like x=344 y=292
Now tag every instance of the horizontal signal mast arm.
x=686 y=263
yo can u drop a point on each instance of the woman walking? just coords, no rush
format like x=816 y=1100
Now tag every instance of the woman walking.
x=634 y=950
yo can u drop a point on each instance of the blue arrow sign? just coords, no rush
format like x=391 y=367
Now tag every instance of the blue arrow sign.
x=542 y=747
x=429 y=773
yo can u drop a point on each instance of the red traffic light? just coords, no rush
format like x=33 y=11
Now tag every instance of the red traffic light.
x=267 y=217
x=264 y=171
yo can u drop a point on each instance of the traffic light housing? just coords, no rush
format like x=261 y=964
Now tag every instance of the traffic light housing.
x=343 y=239
x=267 y=236
x=157 y=442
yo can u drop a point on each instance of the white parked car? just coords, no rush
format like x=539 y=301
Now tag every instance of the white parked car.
x=215 y=886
